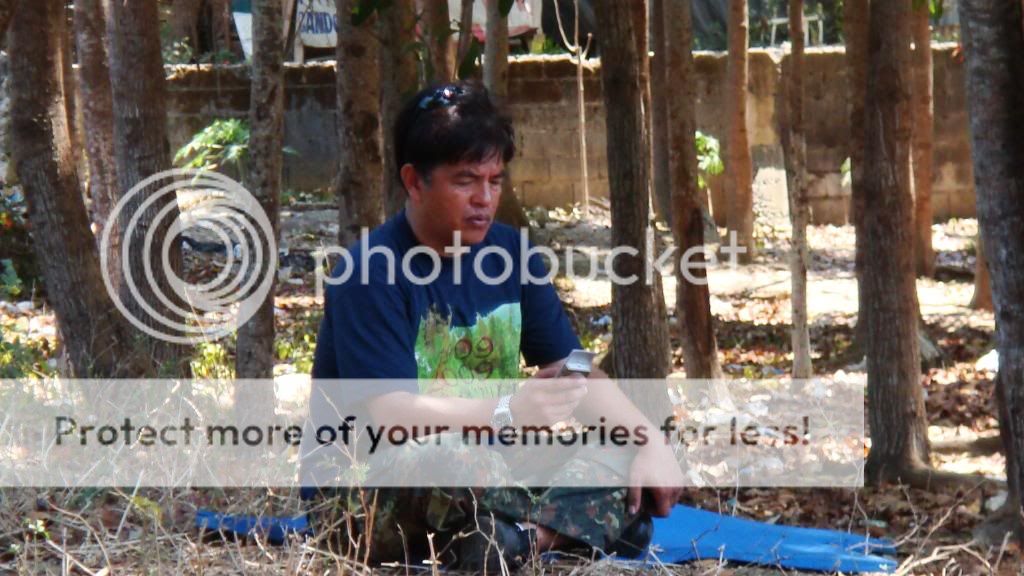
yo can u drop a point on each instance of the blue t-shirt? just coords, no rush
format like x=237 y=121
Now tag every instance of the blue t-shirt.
x=455 y=327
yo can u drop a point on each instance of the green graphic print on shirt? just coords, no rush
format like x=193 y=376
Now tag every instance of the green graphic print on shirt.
x=460 y=360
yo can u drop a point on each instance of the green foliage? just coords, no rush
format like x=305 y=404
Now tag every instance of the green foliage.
x=212 y=361
x=709 y=158
x=10 y=283
x=222 y=143
x=178 y=52
x=22 y=357
x=544 y=45
x=845 y=170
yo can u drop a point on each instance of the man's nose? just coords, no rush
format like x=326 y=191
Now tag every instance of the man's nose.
x=486 y=194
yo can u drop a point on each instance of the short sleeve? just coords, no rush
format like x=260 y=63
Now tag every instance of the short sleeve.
x=367 y=334
x=547 y=336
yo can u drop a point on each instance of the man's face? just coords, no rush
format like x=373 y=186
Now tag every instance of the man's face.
x=459 y=197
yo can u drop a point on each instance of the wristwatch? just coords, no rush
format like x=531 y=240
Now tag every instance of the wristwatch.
x=502 y=416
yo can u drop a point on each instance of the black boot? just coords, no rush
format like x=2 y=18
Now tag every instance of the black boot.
x=635 y=538
x=484 y=546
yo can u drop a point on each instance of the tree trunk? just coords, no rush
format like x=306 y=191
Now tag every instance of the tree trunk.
x=95 y=335
x=659 y=113
x=222 y=24
x=185 y=23
x=465 y=32
x=994 y=41
x=496 y=80
x=255 y=347
x=795 y=150
x=855 y=29
x=399 y=80
x=6 y=13
x=98 y=118
x=693 y=300
x=640 y=345
x=360 y=170
x=141 y=150
x=438 y=32
x=739 y=170
x=982 y=299
x=899 y=438
x=924 y=257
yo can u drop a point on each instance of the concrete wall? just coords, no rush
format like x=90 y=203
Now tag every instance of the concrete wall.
x=544 y=107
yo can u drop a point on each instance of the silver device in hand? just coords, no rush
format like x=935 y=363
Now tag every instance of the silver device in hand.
x=578 y=362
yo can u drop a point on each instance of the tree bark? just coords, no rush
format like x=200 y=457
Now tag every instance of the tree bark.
x=141 y=150
x=982 y=298
x=659 y=113
x=255 y=346
x=855 y=29
x=95 y=335
x=640 y=345
x=795 y=150
x=899 y=438
x=924 y=256
x=739 y=170
x=465 y=32
x=6 y=13
x=360 y=169
x=994 y=40
x=438 y=41
x=399 y=80
x=496 y=80
x=98 y=117
x=185 y=23
x=693 y=299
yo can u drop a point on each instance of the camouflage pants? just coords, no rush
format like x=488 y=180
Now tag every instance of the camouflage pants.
x=400 y=519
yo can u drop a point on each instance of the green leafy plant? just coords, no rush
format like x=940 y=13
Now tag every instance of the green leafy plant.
x=709 y=158
x=222 y=144
x=212 y=361
x=178 y=52
x=10 y=283
x=845 y=170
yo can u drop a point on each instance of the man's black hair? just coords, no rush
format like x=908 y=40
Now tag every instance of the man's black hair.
x=451 y=123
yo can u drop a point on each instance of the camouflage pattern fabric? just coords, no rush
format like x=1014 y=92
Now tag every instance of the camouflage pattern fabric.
x=402 y=518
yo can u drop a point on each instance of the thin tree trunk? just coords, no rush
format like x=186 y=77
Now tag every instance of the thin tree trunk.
x=255 y=347
x=640 y=345
x=437 y=26
x=360 y=169
x=222 y=22
x=496 y=80
x=856 y=14
x=739 y=168
x=98 y=118
x=399 y=80
x=6 y=13
x=994 y=41
x=659 y=113
x=465 y=32
x=141 y=150
x=795 y=150
x=924 y=256
x=693 y=299
x=982 y=298
x=185 y=23
x=96 y=337
x=899 y=437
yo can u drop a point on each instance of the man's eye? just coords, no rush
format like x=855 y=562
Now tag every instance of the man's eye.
x=496 y=181
x=463 y=182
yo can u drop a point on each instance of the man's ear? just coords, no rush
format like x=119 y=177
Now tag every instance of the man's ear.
x=414 y=183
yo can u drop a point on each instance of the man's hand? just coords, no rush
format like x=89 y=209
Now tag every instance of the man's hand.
x=655 y=470
x=544 y=400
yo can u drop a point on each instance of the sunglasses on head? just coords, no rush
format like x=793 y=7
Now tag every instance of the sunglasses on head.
x=442 y=97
